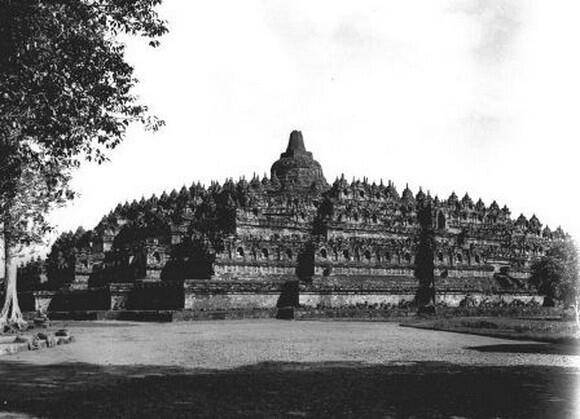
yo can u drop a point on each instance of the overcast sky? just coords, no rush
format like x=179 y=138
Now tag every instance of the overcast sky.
x=478 y=96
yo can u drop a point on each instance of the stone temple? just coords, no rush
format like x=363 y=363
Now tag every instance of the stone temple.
x=291 y=239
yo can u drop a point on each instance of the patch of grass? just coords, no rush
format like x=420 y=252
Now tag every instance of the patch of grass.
x=480 y=324
x=511 y=328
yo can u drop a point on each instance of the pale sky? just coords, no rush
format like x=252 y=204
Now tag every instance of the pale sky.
x=477 y=96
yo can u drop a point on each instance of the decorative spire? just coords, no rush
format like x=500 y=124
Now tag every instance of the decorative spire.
x=420 y=195
x=547 y=232
x=521 y=221
x=407 y=194
x=296 y=168
x=534 y=224
x=466 y=201
x=255 y=182
x=391 y=191
x=452 y=200
x=296 y=143
x=242 y=185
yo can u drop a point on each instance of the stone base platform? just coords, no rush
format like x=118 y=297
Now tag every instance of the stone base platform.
x=164 y=315
x=11 y=344
x=205 y=299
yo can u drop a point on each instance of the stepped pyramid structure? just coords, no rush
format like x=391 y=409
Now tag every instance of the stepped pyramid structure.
x=238 y=245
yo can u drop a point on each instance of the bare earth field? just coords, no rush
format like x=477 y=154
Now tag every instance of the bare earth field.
x=265 y=368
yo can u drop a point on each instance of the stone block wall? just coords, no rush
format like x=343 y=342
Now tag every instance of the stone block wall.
x=343 y=291
x=165 y=295
x=386 y=299
x=206 y=295
x=341 y=299
x=337 y=292
x=119 y=295
x=360 y=270
x=256 y=272
x=78 y=300
x=454 y=299
x=81 y=282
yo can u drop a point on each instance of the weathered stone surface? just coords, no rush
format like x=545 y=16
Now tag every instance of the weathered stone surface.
x=11 y=345
x=296 y=169
x=42 y=300
x=352 y=242
x=61 y=333
x=207 y=295
x=119 y=293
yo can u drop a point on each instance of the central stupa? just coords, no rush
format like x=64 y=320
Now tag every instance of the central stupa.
x=296 y=169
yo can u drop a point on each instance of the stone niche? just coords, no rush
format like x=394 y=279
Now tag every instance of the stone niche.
x=157 y=255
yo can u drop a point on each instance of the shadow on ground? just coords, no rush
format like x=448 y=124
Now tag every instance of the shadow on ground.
x=530 y=348
x=421 y=389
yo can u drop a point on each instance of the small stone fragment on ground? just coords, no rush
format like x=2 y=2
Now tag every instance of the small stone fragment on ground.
x=61 y=333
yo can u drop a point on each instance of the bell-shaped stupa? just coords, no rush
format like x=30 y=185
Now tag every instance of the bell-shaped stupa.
x=296 y=169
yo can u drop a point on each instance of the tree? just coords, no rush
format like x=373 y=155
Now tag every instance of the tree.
x=424 y=265
x=191 y=259
x=60 y=262
x=66 y=96
x=305 y=262
x=556 y=275
x=23 y=222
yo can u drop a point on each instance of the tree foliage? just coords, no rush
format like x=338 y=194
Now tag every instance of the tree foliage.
x=66 y=95
x=24 y=213
x=556 y=274
x=60 y=262
x=67 y=90
x=65 y=81
x=191 y=259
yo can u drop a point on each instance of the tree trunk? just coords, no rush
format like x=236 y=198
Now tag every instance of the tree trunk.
x=2 y=264
x=10 y=316
x=577 y=313
x=424 y=264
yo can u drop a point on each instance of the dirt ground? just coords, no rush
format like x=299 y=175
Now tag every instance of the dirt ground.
x=268 y=368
